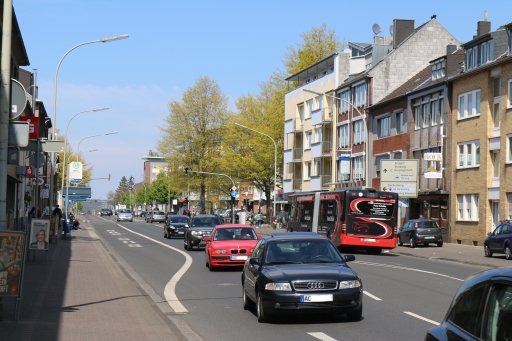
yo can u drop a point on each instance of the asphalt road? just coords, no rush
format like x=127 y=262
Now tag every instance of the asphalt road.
x=404 y=296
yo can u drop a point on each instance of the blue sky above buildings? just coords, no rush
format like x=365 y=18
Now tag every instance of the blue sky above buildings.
x=172 y=43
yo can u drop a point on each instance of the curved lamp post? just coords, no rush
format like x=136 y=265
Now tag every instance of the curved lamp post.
x=275 y=163
x=54 y=116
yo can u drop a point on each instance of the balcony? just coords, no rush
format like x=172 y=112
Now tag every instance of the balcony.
x=321 y=149
x=322 y=116
x=293 y=126
x=297 y=154
x=297 y=184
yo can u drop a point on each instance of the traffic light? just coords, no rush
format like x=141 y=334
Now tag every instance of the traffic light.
x=186 y=200
x=186 y=171
x=233 y=200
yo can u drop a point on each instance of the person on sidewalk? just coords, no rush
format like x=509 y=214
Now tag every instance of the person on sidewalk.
x=46 y=210
x=58 y=212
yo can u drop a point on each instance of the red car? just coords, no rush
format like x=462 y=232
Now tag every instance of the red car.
x=229 y=245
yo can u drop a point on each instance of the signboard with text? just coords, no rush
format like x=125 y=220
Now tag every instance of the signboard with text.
x=75 y=172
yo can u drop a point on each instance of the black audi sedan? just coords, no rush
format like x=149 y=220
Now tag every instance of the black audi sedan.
x=176 y=226
x=201 y=225
x=300 y=272
x=480 y=310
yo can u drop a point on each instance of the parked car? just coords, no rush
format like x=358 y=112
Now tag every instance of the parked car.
x=500 y=240
x=420 y=231
x=158 y=216
x=124 y=214
x=201 y=225
x=480 y=310
x=176 y=226
x=300 y=272
x=229 y=245
x=105 y=211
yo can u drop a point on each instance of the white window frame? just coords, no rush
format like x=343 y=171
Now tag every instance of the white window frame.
x=399 y=119
x=434 y=111
x=319 y=100
x=425 y=114
x=509 y=94
x=417 y=117
x=358 y=167
x=318 y=135
x=475 y=104
x=307 y=175
x=509 y=148
x=343 y=136
x=360 y=95
x=309 y=139
x=472 y=158
x=469 y=59
x=309 y=108
x=318 y=167
x=495 y=160
x=383 y=127
x=359 y=133
x=468 y=207
x=300 y=109
x=250 y=189
x=344 y=106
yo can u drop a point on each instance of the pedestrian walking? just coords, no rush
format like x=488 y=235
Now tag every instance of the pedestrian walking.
x=58 y=212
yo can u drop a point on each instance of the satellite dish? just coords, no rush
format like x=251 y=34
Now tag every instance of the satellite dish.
x=376 y=29
x=391 y=29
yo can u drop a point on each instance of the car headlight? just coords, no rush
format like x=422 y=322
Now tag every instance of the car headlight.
x=186 y=226
x=219 y=251
x=195 y=233
x=278 y=286
x=172 y=227
x=350 y=284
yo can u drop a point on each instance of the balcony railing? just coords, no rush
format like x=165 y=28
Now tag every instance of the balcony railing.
x=326 y=147
x=326 y=179
x=297 y=154
x=297 y=184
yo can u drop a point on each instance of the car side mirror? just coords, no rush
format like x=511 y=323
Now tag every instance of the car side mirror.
x=254 y=261
x=489 y=233
x=350 y=258
x=206 y=239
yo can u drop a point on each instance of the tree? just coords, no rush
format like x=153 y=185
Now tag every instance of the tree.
x=318 y=43
x=193 y=130
x=152 y=153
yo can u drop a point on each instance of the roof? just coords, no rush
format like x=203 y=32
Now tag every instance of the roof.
x=362 y=45
x=295 y=235
x=297 y=75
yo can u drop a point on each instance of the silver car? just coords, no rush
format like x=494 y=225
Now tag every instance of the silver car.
x=158 y=216
x=124 y=214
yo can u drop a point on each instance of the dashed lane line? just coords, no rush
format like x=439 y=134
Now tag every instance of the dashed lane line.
x=322 y=336
x=422 y=318
x=406 y=268
x=371 y=296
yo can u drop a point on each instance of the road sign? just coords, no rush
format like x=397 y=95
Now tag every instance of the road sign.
x=234 y=193
x=399 y=176
x=75 y=172
x=233 y=188
x=199 y=204
x=75 y=181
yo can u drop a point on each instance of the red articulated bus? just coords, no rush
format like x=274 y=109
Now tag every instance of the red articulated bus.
x=354 y=218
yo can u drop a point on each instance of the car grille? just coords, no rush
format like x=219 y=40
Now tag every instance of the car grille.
x=318 y=305
x=314 y=285
x=237 y=251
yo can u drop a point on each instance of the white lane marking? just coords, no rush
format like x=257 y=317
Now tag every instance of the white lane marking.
x=134 y=245
x=408 y=269
x=371 y=296
x=422 y=318
x=322 y=336
x=123 y=238
x=170 y=287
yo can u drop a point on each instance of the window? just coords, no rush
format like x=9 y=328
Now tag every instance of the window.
x=360 y=95
x=425 y=114
x=319 y=102
x=434 y=111
x=469 y=59
x=438 y=69
x=490 y=51
x=308 y=170
x=384 y=127
x=359 y=131
x=343 y=136
x=308 y=139
x=509 y=197
x=417 y=117
x=495 y=158
x=466 y=309
x=467 y=207
x=441 y=107
x=344 y=105
x=509 y=148
x=469 y=154
x=496 y=102
x=498 y=313
x=318 y=168
x=476 y=56
x=358 y=167
x=469 y=104
x=496 y=87
x=301 y=113
x=399 y=122
x=509 y=100
x=310 y=108
x=483 y=52
x=318 y=135
x=250 y=189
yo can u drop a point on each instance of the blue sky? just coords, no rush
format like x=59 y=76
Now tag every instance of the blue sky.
x=172 y=43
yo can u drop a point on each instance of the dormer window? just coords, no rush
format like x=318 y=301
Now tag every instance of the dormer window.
x=438 y=69
x=479 y=55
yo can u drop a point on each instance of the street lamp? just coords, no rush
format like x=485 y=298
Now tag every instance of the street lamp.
x=275 y=162
x=66 y=143
x=54 y=117
x=365 y=129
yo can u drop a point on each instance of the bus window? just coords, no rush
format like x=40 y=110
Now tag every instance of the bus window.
x=328 y=212
x=306 y=211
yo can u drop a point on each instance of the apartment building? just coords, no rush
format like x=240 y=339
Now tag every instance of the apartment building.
x=482 y=136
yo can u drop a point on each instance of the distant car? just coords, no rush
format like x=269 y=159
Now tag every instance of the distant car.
x=500 y=240
x=300 y=272
x=420 y=231
x=480 y=310
x=124 y=214
x=105 y=211
x=229 y=245
x=227 y=216
x=176 y=226
x=200 y=226
x=155 y=216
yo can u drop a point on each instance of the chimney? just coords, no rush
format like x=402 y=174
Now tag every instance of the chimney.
x=451 y=48
x=402 y=29
x=484 y=27
x=453 y=61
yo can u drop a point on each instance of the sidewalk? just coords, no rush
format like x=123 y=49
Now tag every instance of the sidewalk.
x=473 y=255
x=82 y=294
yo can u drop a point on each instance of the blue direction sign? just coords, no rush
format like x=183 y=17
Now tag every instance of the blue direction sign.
x=234 y=193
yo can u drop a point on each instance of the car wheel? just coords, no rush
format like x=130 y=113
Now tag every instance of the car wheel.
x=210 y=267
x=146 y=221
x=398 y=241
x=440 y=244
x=247 y=301
x=412 y=243
x=260 y=311
x=508 y=254
x=189 y=246
x=487 y=251
x=356 y=314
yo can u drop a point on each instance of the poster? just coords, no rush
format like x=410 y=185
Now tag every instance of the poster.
x=11 y=260
x=39 y=234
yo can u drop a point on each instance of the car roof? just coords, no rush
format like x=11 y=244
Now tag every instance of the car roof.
x=295 y=235
x=233 y=225
x=418 y=220
x=205 y=216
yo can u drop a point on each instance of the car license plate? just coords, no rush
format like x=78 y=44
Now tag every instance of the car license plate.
x=316 y=298
x=372 y=240
x=430 y=237
x=238 y=257
x=180 y=232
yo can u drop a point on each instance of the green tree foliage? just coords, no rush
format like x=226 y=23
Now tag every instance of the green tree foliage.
x=192 y=134
x=152 y=153
x=318 y=43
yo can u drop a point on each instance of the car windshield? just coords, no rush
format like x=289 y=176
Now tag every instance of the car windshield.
x=105 y=209
x=125 y=211
x=179 y=219
x=235 y=234
x=158 y=213
x=427 y=224
x=301 y=251
x=206 y=221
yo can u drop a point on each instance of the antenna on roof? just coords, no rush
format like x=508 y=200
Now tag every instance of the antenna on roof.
x=376 y=29
x=391 y=30
x=486 y=16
